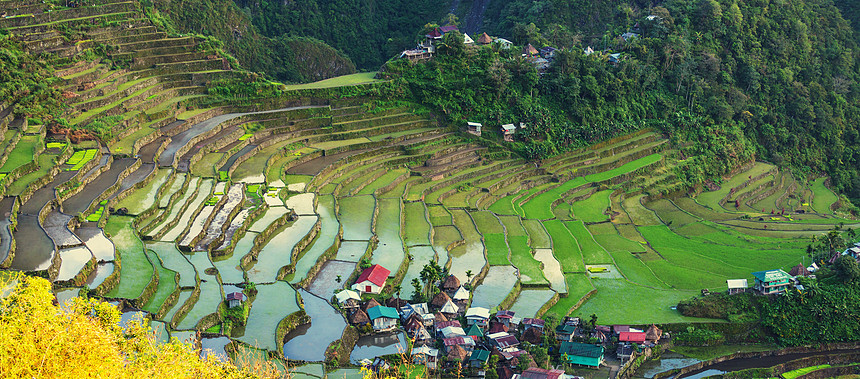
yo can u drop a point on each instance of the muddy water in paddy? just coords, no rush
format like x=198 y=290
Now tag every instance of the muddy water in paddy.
x=97 y=242
x=202 y=195
x=5 y=227
x=98 y=276
x=210 y=297
x=234 y=157
x=389 y=251
x=82 y=200
x=229 y=268
x=497 y=284
x=214 y=347
x=351 y=251
x=372 y=346
x=135 y=177
x=147 y=152
x=267 y=219
x=325 y=238
x=37 y=252
x=356 y=215
x=325 y=282
x=469 y=256
x=272 y=304
x=185 y=161
x=235 y=224
x=421 y=255
x=529 y=301
x=235 y=195
x=309 y=342
x=56 y=225
x=668 y=361
x=45 y=194
x=278 y=251
x=103 y=161
x=73 y=260
x=302 y=204
x=314 y=166
x=551 y=269
x=197 y=226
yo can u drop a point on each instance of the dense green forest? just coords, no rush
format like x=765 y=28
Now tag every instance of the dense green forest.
x=761 y=77
x=295 y=58
x=369 y=32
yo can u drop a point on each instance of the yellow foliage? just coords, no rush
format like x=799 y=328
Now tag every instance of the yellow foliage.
x=84 y=340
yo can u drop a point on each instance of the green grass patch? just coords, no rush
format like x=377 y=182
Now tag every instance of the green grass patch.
x=497 y=249
x=55 y=145
x=803 y=371
x=22 y=154
x=417 y=231
x=80 y=158
x=504 y=206
x=136 y=271
x=578 y=285
x=635 y=270
x=487 y=223
x=97 y=215
x=144 y=198
x=166 y=285
x=641 y=305
x=439 y=215
x=126 y=145
x=592 y=252
x=823 y=197
x=522 y=258
x=339 y=81
x=564 y=247
x=205 y=166
x=382 y=181
x=593 y=208
x=538 y=237
x=46 y=162
x=513 y=226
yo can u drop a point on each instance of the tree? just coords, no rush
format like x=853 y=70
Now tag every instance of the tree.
x=416 y=286
x=593 y=321
x=469 y=276
x=847 y=269
x=397 y=289
x=453 y=44
x=450 y=19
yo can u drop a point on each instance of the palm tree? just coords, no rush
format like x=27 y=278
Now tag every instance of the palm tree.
x=469 y=276
x=397 y=289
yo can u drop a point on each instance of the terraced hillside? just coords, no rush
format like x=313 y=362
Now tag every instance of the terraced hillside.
x=186 y=204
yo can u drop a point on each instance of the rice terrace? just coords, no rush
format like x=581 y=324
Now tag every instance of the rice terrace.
x=194 y=199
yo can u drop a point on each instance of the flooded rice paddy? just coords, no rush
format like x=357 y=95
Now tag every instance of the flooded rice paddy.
x=309 y=342
x=372 y=346
x=95 y=239
x=73 y=260
x=277 y=253
x=497 y=284
x=329 y=227
x=272 y=304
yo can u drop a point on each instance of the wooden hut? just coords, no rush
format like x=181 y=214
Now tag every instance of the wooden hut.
x=359 y=317
x=451 y=284
x=370 y=304
x=440 y=300
x=653 y=333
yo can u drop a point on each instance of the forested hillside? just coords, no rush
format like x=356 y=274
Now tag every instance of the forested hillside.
x=369 y=32
x=292 y=58
x=762 y=76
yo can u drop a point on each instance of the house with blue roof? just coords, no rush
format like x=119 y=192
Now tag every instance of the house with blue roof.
x=771 y=281
x=383 y=318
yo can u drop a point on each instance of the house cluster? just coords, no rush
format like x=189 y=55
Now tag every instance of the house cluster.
x=542 y=58
x=427 y=48
x=772 y=282
x=508 y=130
x=448 y=334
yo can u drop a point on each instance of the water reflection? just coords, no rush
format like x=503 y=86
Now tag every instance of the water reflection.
x=309 y=342
x=372 y=346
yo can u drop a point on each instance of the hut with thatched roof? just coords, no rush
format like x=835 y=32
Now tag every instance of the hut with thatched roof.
x=439 y=317
x=799 y=270
x=485 y=39
x=451 y=284
x=370 y=304
x=457 y=353
x=653 y=333
x=440 y=300
x=359 y=317
x=532 y=336
x=396 y=303
x=531 y=51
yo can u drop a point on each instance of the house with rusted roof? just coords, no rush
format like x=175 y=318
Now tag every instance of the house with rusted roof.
x=540 y=373
x=371 y=280
x=530 y=322
x=234 y=299
x=425 y=356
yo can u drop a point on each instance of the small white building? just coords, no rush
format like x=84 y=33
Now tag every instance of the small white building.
x=474 y=128
x=477 y=315
x=461 y=294
x=371 y=280
x=508 y=131
x=425 y=355
x=234 y=299
x=348 y=299
x=450 y=308
x=452 y=331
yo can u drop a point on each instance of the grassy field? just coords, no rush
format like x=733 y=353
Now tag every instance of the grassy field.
x=592 y=209
x=340 y=81
x=592 y=252
x=578 y=285
x=21 y=154
x=417 y=230
x=522 y=259
x=620 y=302
x=136 y=271
x=497 y=249
x=823 y=196
x=46 y=162
x=565 y=247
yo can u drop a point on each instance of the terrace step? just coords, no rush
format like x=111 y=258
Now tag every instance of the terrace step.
x=157 y=43
x=38 y=36
x=66 y=14
x=155 y=51
x=147 y=62
x=87 y=20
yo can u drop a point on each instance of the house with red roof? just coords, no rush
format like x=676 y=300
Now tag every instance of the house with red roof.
x=637 y=337
x=371 y=280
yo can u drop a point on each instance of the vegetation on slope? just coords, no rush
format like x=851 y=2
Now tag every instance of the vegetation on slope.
x=27 y=81
x=296 y=58
x=38 y=338
x=763 y=77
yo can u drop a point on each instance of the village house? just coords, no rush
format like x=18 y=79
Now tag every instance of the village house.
x=450 y=284
x=234 y=299
x=508 y=131
x=359 y=318
x=348 y=299
x=371 y=280
x=503 y=341
x=582 y=353
x=468 y=40
x=503 y=43
x=635 y=337
x=445 y=324
x=383 y=318
x=474 y=128
x=452 y=331
x=504 y=317
x=653 y=334
x=485 y=39
x=462 y=342
x=532 y=336
x=771 y=282
x=450 y=309
x=426 y=356
x=479 y=358
x=477 y=316
x=419 y=309
x=565 y=332
x=461 y=295
x=416 y=330
x=456 y=353
x=737 y=286
x=475 y=332
x=541 y=373
x=548 y=52
x=530 y=51
x=799 y=270
x=529 y=323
